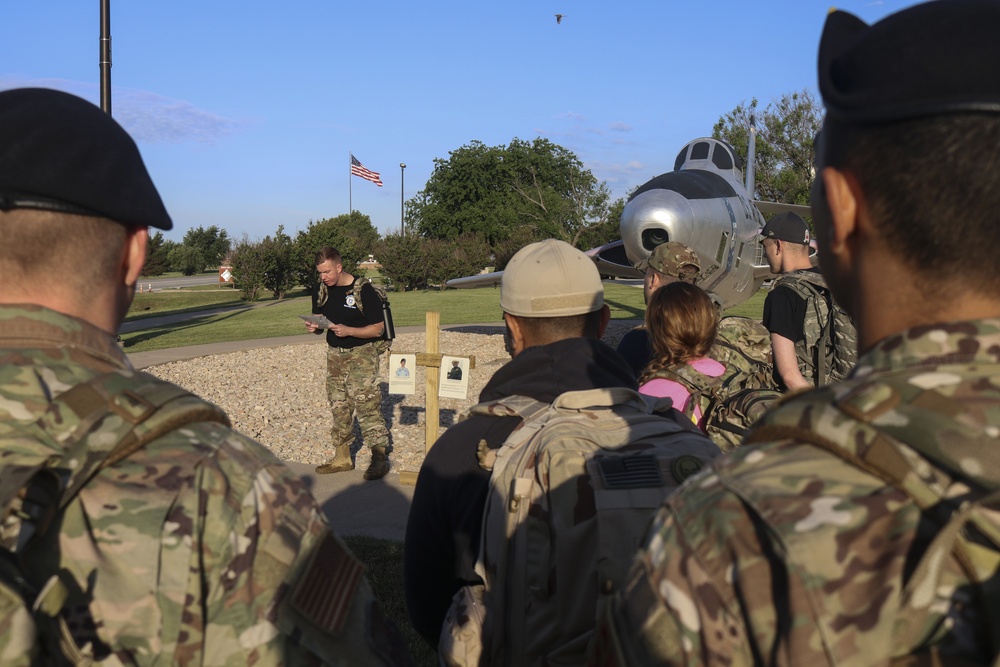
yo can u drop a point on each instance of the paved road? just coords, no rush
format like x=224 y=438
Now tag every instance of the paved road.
x=182 y=281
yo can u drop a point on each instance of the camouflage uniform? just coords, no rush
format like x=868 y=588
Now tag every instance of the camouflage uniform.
x=352 y=385
x=762 y=560
x=201 y=548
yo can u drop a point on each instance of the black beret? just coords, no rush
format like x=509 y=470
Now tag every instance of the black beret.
x=59 y=152
x=934 y=58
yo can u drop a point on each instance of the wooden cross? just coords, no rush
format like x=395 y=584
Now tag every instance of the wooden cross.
x=431 y=359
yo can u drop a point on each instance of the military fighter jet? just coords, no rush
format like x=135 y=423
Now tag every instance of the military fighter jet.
x=704 y=204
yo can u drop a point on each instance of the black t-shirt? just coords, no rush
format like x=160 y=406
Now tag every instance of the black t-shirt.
x=785 y=312
x=341 y=309
x=635 y=348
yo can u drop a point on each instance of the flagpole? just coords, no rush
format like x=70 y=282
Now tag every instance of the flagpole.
x=350 y=204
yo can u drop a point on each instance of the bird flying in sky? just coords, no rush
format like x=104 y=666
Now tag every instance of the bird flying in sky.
x=559 y=18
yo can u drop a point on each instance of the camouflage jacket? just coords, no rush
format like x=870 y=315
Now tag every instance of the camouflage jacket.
x=786 y=554
x=201 y=548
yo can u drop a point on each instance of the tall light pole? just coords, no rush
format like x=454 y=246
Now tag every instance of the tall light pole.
x=402 y=215
x=105 y=58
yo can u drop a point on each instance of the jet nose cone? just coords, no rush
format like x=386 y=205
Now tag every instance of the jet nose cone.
x=652 y=218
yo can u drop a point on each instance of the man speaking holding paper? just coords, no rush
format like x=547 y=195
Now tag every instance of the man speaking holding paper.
x=352 y=361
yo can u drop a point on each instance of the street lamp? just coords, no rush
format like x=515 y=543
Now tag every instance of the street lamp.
x=105 y=57
x=402 y=172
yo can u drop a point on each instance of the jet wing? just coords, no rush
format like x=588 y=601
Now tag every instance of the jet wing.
x=610 y=259
x=482 y=280
x=769 y=207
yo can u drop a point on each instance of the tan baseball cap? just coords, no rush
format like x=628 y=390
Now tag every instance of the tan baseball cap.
x=674 y=259
x=550 y=279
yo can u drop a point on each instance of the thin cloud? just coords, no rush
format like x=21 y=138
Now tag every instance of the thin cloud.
x=147 y=116
x=618 y=126
x=157 y=119
x=571 y=115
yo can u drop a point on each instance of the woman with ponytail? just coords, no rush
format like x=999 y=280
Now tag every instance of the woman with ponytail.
x=681 y=321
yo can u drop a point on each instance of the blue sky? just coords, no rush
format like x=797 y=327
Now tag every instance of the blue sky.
x=245 y=112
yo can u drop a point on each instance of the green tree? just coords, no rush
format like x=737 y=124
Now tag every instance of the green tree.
x=505 y=249
x=785 y=132
x=187 y=259
x=353 y=234
x=536 y=186
x=248 y=261
x=605 y=230
x=157 y=256
x=415 y=262
x=278 y=263
x=402 y=260
x=465 y=256
x=213 y=245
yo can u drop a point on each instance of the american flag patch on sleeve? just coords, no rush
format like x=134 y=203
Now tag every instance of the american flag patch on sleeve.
x=325 y=592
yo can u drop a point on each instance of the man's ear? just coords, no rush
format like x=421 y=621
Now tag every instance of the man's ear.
x=842 y=198
x=605 y=318
x=134 y=256
x=516 y=334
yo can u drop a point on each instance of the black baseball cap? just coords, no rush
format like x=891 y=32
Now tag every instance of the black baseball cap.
x=59 y=152
x=933 y=58
x=787 y=226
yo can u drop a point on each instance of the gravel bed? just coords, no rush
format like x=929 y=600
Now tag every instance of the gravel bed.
x=277 y=395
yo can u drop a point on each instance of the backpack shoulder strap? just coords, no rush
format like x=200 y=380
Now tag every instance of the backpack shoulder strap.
x=87 y=428
x=802 y=279
x=356 y=291
x=877 y=447
x=509 y=406
x=111 y=416
x=700 y=386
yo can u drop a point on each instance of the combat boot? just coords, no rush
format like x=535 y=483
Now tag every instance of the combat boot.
x=340 y=462
x=379 y=466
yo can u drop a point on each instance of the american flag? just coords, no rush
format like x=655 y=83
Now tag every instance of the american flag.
x=358 y=169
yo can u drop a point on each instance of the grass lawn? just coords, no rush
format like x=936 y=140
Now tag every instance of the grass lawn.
x=269 y=317
x=383 y=560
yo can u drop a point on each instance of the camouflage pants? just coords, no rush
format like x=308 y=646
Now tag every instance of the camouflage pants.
x=352 y=386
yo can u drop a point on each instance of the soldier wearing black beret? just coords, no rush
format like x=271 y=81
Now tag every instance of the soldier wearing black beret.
x=854 y=526
x=192 y=544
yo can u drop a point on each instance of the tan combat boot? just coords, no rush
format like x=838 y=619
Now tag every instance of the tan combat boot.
x=340 y=462
x=379 y=466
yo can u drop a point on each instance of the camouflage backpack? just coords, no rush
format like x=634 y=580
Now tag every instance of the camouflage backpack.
x=915 y=439
x=46 y=463
x=745 y=344
x=729 y=403
x=388 y=331
x=830 y=349
x=572 y=492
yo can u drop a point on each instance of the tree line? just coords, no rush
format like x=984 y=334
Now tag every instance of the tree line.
x=483 y=203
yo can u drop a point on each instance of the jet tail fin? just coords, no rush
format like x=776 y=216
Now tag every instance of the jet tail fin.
x=751 y=158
